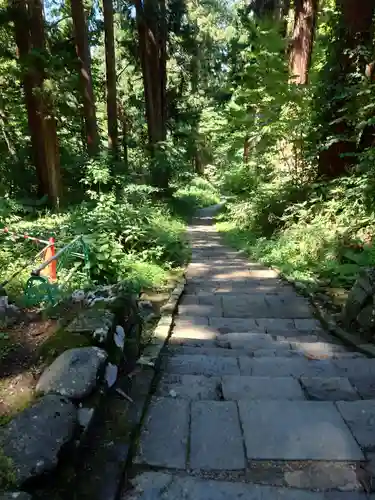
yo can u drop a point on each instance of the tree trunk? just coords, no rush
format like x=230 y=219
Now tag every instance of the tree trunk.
x=30 y=39
x=124 y=129
x=354 y=31
x=84 y=58
x=302 y=40
x=110 y=61
x=152 y=33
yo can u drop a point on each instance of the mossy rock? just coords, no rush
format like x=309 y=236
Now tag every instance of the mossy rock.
x=61 y=341
x=8 y=477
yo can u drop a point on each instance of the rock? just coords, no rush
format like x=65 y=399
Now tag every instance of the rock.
x=360 y=297
x=78 y=296
x=85 y=416
x=74 y=373
x=110 y=376
x=366 y=318
x=119 y=337
x=34 y=438
x=15 y=495
x=91 y=320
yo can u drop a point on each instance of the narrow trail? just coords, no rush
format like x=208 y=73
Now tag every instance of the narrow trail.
x=256 y=401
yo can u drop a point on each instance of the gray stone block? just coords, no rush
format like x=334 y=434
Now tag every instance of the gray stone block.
x=319 y=350
x=203 y=365
x=235 y=388
x=189 y=387
x=296 y=430
x=360 y=418
x=285 y=367
x=206 y=351
x=304 y=325
x=158 y=486
x=74 y=373
x=227 y=325
x=164 y=437
x=275 y=325
x=200 y=310
x=365 y=386
x=329 y=389
x=288 y=307
x=356 y=367
x=324 y=476
x=34 y=438
x=216 y=439
x=245 y=306
x=249 y=341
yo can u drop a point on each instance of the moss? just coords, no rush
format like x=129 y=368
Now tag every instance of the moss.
x=59 y=342
x=8 y=476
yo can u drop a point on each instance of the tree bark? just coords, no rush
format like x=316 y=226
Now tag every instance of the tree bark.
x=246 y=149
x=30 y=39
x=152 y=34
x=84 y=58
x=302 y=40
x=353 y=31
x=110 y=61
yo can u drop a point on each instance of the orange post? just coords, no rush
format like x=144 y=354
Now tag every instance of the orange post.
x=50 y=270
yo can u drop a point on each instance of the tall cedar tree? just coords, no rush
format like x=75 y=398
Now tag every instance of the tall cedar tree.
x=30 y=40
x=152 y=34
x=84 y=58
x=354 y=35
x=111 y=76
x=303 y=39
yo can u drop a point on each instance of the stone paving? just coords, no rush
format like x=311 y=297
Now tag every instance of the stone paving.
x=256 y=401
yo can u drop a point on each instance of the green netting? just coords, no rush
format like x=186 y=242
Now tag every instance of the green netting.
x=71 y=268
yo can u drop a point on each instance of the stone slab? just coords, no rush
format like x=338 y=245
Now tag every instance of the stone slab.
x=288 y=307
x=360 y=418
x=200 y=310
x=365 y=386
x=245 y=306
x=227 y=325
x=164 y=437
x=201 y=299
x=246 y=387
x=250 y=341
x=275 y=325
x=216 y=439
x=356 y=367
x=195 y=387
x=296 y=430
x=329 y=389
x=160 y=486
x=286 y=367
x=324 y=476
x=203 y=365
x=206 y=351
x=307 y=324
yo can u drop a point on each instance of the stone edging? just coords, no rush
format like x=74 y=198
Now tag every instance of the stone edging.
x=151 y=354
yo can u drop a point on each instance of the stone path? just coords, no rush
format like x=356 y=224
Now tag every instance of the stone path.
x=256 y=401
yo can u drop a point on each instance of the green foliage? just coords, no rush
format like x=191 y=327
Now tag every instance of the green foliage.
x=7 y=473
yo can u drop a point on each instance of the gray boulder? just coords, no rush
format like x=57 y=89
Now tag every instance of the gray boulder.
x=74 y=373
x=360 y=305
x=35 y=437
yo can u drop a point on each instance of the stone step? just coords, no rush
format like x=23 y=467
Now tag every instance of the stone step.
x=247 y=387
x=164 y=486
x=190 y=364
x=191 y=387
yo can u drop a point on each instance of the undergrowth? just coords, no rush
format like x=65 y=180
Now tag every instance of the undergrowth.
x=132 y=237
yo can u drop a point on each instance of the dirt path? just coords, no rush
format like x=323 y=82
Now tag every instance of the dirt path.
x=256 y=401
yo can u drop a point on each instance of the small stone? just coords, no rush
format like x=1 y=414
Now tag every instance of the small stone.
x=35 y=437
x=110 y=375
x=78 y=296
x=119 y=337
x=74 y=373
x=173 y=394
x=84 y=416
x=101 y=335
